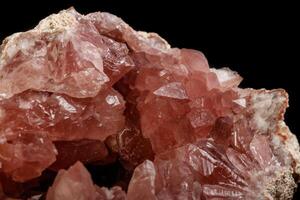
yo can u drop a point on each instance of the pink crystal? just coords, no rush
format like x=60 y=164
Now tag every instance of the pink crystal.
x=63 y=117
x=26 y=154
x=58 y=117
x=91 y=89
x=201 y=171
x=76 y=183
x=180 y=103
x=63 y=54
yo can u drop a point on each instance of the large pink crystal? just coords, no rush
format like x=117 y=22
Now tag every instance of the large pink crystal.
x=89 y=88
x=24 y=155
x=63 y=54
x=76 y=184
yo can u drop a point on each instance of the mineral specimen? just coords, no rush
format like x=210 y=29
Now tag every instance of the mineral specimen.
x=89 y=88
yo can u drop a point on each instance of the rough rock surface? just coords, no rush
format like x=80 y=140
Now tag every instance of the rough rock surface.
x=86 y=87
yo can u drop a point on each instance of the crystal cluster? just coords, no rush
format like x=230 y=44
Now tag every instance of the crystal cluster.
x=89 y=90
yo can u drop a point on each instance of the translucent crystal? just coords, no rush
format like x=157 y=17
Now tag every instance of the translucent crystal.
x=76 y=183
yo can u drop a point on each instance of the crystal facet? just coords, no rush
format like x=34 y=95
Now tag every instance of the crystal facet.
x=76 y=184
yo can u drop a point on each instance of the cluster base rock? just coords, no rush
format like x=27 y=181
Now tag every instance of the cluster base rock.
x=88 y=90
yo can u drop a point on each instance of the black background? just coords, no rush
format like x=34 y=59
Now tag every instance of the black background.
x=259 y=41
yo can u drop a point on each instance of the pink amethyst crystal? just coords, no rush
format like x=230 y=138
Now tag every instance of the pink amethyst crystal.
x=89 y=88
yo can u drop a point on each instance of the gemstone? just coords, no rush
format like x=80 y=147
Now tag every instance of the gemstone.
x=90 y=90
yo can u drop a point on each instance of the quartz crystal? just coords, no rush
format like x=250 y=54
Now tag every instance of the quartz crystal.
x=88 y=89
